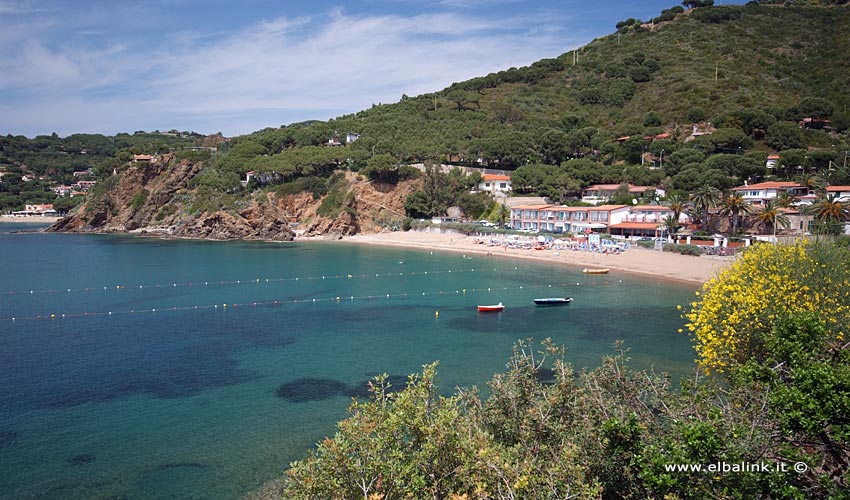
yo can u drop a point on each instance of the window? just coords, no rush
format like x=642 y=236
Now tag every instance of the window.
x=503 y=185
x=604 y=217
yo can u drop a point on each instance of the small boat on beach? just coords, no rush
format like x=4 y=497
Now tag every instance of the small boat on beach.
x=553 y=301
x=494 y=308
x=588 y=270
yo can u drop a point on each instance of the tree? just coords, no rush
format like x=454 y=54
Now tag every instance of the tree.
x=784 y=199
x=500 y=214
x=677 y=204
x=735 y=312
x=693 y=4
x=771 y=217
x=812 y=182
x=784 y=135
x=671 y=224
x=733 y=207
x=830 y=213
x=703 y=199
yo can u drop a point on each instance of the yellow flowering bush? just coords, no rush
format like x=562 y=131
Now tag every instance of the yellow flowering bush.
x=735 y=311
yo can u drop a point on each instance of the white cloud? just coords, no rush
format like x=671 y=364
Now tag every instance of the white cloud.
x=298 y=68
x=15 y=8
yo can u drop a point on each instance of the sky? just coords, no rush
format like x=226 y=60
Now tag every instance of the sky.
x=92 y=66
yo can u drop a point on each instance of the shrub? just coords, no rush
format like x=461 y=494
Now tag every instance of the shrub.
x=139 y=200
x=683 y=249
x=736 y=311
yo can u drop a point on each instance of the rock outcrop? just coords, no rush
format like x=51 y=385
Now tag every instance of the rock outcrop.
x=157 y=198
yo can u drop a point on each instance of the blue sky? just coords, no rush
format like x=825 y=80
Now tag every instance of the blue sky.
x=236 y=67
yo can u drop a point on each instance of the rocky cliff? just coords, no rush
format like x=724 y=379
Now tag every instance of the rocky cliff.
x=158 y=198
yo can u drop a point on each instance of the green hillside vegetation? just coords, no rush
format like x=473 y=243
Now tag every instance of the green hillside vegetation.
x=747 y=73
x=51 y=160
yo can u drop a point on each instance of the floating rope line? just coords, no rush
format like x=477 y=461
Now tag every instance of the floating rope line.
x=253 y=281
x=335 y=299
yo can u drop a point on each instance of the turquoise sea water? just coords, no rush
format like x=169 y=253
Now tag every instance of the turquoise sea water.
x=210 y=403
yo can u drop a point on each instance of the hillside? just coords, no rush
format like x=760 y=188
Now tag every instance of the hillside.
x=689 y=99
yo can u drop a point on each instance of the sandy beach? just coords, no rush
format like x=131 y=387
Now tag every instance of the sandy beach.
x=34 y=219
x=658 y=265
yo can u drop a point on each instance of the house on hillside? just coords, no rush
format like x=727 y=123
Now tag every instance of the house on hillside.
x=602 y=193
x=495 y=183
x=772 y=161
x=138 y=158
x=842 y=192
x=757 y=194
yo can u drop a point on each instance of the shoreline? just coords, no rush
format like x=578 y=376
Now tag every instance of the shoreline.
x=30 y=219
x=636 y=261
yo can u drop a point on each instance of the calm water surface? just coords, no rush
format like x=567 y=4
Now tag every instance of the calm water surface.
x=211 y=403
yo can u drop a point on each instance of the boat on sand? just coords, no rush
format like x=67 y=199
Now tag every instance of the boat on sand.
x=590 y=270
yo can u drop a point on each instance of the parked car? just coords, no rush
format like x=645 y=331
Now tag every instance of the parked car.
x=486 y=223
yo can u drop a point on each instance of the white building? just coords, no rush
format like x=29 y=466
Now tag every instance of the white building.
x=602 y=193
x=757 y=194
x=493 y=183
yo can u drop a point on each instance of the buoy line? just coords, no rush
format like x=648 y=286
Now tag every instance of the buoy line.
x=252 y=281
x=242 y=305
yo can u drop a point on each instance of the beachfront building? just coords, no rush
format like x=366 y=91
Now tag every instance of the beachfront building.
x=757 y=194
x=45 y=210
x=602 y=193
x=645 y=220
x=495 y=184
x=562 y=219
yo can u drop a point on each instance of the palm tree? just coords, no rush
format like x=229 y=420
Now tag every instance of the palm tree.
x=830 y=211
x=771 y=216
x=703 y=199
x=784 y=199
x=734 y=205
x=671 y=224
x=677 y=205
x=811 y=182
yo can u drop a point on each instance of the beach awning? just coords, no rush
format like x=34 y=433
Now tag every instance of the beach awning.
x=650 y=226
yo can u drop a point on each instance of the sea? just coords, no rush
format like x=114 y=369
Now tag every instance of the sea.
x=140 y=368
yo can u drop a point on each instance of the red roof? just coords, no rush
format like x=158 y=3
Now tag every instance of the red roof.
x=603 y=187
x=772 y=157
x=496 y=177
x=837 y=188
x=768 y=185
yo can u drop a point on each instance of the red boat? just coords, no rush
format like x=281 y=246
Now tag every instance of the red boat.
x=495 y=308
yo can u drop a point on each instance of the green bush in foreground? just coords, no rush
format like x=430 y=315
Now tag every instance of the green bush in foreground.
x=612 y=432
